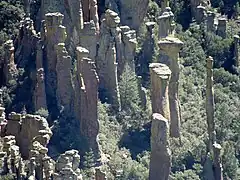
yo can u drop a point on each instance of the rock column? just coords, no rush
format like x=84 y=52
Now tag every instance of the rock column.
x=210 y=21
x=55 y=33
x=99 y=175
x=89 y=39
x=64 y=78
x=200 y=14
x=165 y=24
x=218 y=170
x=129 y=48
x=160 y=158
x=89 y=125
x=222 y=27
x=210 y=104
x=107 y=60
x=236 y=51
x=90 y=12
x=9 y=67
x=170 y=47
x=39 y=95
x=164 y=4
x=160 y=77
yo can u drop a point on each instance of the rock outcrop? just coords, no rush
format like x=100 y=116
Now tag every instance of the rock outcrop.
x=166 y=23
x=117 y=46
x=89 y=38
x=160 y=158
x=170 y=47
x=213 y=147
x=55 y=34
x=90 y=12
x=27 y=137
x=210 y=21
x=64 y=78
x=195 y=3
x=147 y=53
x=201 y=14
x=99 y=175
x=39 y=94
x=160 y=77
x=67 y=166
x=107 y=60
x=88 y=86
x=26 y=43
x=222 y=27
x=210 y=104
x=25 y=129
x=8 y=65
x=131 y=12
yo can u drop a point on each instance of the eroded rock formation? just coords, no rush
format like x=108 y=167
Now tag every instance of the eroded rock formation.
x=89 y=38
x=88 y=87
x=64 y=78
x=90 y=12
x=8 y=65
x=195 y=3
x=160 y=77
x=25 y=129
x=213 y=147
x=210 y=21
x=222 y=27
x=201 y=14
x=99 y=175
x=27 y=137
x=67 y=166
x=106 y=60
x=147 y=54
x=210 y=104
x=166 y=23
x=170 y=47
x=160 y=158
x=131 y=13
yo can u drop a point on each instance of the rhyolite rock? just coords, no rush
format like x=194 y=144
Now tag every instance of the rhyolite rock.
x=170 y=48
x=160 y=157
